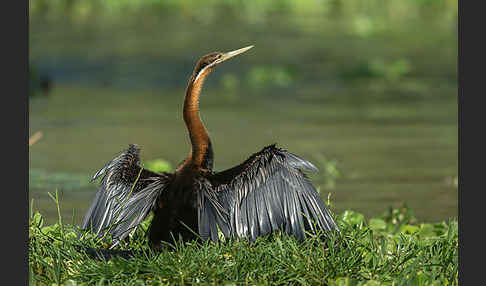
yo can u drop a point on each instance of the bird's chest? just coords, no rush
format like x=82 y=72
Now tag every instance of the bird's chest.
x=181 y=194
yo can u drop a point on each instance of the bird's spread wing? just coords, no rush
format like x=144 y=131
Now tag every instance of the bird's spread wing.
x=267 y=192
x=125 y=196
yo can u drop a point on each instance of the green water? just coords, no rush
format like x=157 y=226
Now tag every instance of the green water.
x=372 y=89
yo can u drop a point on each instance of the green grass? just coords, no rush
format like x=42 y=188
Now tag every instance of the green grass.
x=389 y=249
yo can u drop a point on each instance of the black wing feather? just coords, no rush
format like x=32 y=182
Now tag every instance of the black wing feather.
x=265 y=193
x=125 y=196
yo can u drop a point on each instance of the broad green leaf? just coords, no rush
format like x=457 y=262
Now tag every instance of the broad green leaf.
x=377 y=224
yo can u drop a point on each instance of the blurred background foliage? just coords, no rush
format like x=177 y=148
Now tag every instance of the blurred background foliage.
x=366 y=90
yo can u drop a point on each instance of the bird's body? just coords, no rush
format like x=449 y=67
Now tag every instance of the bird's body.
x=266 y=193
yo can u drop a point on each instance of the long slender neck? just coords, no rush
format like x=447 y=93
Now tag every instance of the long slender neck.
x=201 y=151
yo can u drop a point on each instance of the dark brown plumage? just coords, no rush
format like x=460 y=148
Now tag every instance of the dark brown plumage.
x=266 y=193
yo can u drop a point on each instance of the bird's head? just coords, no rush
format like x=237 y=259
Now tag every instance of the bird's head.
x=208 y=62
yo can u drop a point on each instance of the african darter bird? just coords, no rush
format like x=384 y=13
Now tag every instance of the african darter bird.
x=267 y=192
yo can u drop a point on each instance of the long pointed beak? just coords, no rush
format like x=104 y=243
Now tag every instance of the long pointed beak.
x=231 y=54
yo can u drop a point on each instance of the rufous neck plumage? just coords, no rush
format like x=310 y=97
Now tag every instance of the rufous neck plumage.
x=200 y=142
